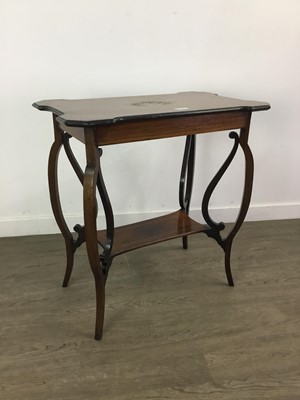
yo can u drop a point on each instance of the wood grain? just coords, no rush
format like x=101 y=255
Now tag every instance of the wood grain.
x=173 y=328
x=155 y=230
x=134 y=131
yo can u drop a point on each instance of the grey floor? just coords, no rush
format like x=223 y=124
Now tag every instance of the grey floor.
x=173 y=328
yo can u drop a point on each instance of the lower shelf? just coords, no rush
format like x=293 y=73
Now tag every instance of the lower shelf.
x=141 y=234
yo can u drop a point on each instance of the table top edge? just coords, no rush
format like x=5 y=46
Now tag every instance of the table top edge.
x=62 y=115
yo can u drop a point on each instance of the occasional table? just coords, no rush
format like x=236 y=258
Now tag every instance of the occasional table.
x=108 y=121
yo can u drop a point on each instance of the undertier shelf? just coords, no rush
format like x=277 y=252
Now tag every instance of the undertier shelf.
x=151 y=231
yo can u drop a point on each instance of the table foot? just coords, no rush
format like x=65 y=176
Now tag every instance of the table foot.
x=185 y=243
x=70 y=263
x=227 y=251
x=100 y=308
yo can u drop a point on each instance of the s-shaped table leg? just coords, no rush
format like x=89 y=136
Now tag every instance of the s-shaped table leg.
x=226 y=243
x=100 y=264
x=55 y=199
x=249 y=167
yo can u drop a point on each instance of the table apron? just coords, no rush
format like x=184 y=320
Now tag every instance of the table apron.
x=134 y=131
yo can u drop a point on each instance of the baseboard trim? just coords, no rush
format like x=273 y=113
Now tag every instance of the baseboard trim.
x=40 y=225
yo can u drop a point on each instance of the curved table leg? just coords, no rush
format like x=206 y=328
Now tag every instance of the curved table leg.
x=76 y=167
x=187 y=178
x=55 y=200
x=92 y=179
x=226 y=243
x=105 y=257
x=249 y=167
x=217 y=227
x=79 y=229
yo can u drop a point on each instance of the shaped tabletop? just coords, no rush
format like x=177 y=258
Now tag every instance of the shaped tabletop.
x=92 y=112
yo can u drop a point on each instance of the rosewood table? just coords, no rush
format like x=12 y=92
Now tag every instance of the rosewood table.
x=107 y=121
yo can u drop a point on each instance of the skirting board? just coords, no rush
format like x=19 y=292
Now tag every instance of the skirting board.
x=41 y=225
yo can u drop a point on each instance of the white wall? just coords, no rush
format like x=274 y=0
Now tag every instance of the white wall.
x=97 y=48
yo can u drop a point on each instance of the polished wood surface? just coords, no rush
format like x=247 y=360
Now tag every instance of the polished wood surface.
x=173 y=329
x=134 y=131
x=151 y=231
x=125 y=132
x=98 y=122
x=95 y=112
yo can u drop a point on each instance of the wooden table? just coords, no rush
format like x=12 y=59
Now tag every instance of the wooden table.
x=100 y=122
